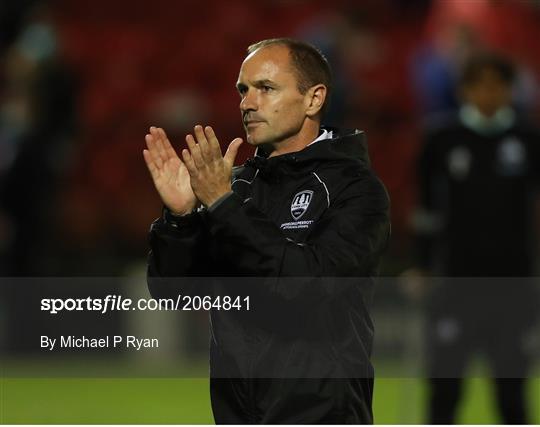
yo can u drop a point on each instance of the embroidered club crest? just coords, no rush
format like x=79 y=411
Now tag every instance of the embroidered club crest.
x=300 y=203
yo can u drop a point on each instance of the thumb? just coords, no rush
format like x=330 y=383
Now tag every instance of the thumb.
x=232 y=151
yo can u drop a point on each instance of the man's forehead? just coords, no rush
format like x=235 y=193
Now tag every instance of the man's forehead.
x=266 y=63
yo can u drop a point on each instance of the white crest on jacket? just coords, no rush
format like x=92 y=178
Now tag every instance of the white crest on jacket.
x=300 y=203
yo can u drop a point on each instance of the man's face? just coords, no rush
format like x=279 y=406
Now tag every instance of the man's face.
x=489 y=92
x=272 y=107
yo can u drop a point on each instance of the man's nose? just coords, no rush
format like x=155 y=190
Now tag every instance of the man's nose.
x=249 y=101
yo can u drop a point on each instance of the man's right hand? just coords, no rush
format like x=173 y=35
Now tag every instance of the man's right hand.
x=169 y=173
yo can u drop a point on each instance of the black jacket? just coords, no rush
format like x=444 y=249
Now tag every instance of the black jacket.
x=308 y=229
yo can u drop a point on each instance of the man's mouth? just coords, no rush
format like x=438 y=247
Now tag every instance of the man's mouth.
x=251 y=123
x=250 y=120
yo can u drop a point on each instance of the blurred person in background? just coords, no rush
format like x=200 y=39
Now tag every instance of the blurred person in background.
x=37 y=124
x=478 y=174
x=436 y=64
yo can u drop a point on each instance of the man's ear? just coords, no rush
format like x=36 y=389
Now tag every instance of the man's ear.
x=315 y=98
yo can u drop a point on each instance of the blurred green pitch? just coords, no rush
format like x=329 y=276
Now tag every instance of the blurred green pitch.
x=186 y=401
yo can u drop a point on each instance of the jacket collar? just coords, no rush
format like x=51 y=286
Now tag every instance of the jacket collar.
x=331 y=144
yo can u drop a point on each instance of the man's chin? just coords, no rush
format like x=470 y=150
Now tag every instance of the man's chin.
x=258 y=139
x=254 y=140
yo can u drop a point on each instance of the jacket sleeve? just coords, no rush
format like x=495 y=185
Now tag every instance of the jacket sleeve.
x=178 y=247
x=346 y=241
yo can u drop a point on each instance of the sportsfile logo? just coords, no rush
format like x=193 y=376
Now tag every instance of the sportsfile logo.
x=119 y=303
x=301 y=203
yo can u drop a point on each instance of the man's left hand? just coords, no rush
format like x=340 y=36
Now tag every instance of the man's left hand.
x=210 y=172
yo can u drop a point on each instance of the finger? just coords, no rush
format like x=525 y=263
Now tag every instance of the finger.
x=188 y=161
x=232 y=151
x=195 y=151
x=215 y=148
x=150 y=164
x=152 y=149
x=155 y=141
x=203 y=142
x=171 y=152
x=159 y=144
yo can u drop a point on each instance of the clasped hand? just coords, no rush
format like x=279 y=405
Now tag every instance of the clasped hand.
x=203 y=175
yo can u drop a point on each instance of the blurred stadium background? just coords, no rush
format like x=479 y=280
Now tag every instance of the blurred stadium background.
x=81 y=82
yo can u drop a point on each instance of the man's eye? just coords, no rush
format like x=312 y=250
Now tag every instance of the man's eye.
x=267 y=88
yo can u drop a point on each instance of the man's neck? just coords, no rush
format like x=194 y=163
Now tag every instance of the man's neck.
x=296 y=142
